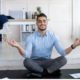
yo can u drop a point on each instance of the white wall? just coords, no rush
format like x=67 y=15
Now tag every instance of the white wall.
x=12 y=5
x=60 y=17
x=76 y=19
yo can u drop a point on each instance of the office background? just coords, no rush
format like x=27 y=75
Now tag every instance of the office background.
x=63 y=21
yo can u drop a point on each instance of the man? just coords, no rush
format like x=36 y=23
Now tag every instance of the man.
x=39 y=47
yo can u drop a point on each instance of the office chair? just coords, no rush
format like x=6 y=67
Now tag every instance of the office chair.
x=3 y=19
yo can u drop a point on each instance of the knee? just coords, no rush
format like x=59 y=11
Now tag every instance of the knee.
x=26 y=62
x=64 y=60
x=61 y=60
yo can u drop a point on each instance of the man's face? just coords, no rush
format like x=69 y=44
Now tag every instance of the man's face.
x=42 y=23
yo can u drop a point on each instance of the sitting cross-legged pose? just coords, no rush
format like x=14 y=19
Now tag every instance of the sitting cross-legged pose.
x=39 y=46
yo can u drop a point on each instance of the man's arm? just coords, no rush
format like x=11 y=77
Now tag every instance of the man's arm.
x=73 y=46
x=21 y=50
x=13 y=43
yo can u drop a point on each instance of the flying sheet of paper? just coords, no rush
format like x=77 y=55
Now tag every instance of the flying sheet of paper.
x=75 y=75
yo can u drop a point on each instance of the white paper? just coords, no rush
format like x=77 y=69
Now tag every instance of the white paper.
x=75 y=75
x=5 y=78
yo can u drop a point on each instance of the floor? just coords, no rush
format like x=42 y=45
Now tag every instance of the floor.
x=22 y=74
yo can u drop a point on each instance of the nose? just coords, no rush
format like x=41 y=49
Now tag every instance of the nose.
x=42 y=23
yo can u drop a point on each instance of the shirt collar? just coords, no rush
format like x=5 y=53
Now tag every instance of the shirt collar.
x=39 y=34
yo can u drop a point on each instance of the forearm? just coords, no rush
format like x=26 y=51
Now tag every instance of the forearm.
x=69 y=49
x=21 y=50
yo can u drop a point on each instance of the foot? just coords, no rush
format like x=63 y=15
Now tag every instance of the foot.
x=34 y=75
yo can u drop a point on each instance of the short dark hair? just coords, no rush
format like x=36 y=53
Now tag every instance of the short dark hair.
x=41 y=15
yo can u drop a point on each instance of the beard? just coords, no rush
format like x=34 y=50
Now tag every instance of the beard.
x=42 y=29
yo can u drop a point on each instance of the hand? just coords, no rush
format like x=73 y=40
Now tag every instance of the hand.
x=76 y=43
x=13 y=43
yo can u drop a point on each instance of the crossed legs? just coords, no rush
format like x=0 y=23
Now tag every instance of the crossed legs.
x=38 y=65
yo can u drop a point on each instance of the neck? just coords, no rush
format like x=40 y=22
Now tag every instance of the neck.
x=42 y=32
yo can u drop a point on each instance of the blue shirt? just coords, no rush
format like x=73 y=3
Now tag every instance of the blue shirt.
x=41 y=46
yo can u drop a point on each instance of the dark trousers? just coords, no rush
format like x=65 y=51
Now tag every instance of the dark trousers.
x=38 y=65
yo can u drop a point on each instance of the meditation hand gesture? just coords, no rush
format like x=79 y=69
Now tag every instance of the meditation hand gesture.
x=76 y=43
x=13 y=43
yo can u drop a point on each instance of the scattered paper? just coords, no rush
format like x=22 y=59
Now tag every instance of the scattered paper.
x=75 y=75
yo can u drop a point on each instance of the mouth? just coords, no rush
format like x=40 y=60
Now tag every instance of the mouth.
x=42 y=26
